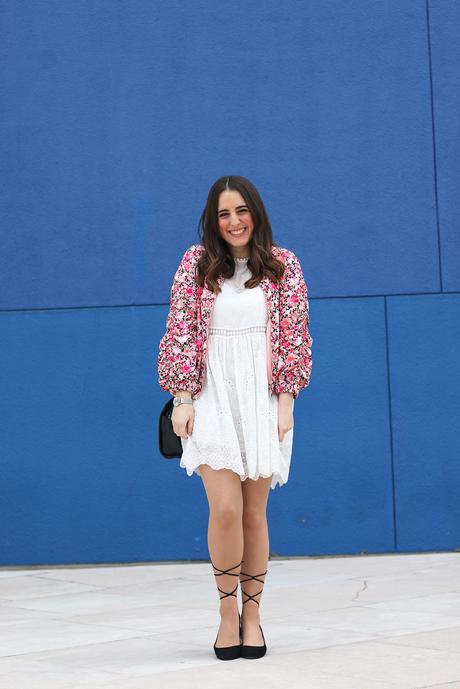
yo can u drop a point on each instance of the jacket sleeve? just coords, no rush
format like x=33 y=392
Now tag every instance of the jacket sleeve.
x=177 y=356
x=295 y=360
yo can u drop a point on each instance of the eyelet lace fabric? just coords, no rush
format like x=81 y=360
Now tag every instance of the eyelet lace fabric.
x=236 y=419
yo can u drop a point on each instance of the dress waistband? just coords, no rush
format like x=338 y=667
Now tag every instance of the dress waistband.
x=230 y=332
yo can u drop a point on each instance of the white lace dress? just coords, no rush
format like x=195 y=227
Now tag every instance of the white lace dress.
x=236 y=419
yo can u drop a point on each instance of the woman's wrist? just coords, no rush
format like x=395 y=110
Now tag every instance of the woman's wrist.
x=183 y=393
x=285 y=398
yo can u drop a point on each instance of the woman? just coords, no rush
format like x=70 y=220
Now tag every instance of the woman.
x=236 y=353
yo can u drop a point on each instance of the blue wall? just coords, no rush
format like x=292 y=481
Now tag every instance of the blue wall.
x=117 y=119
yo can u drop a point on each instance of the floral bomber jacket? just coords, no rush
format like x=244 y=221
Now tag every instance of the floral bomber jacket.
x=183 y=347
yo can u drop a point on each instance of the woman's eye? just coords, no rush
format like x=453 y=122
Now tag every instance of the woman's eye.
x=241 y=210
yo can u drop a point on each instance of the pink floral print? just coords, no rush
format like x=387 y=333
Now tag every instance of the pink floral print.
x=183 y=347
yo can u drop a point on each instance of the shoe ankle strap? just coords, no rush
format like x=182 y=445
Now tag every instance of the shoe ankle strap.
x=255 y=578
x=230 y=574
x=227 y=571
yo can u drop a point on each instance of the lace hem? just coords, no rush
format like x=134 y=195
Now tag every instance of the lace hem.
x=194 y=469
x=224 y=455
x=225 y=460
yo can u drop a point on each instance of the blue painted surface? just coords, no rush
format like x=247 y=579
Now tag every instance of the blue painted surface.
x=424 y=336
x=444 y=20
x=118 y=120
x=82 y=480
x=339 y=497
x=115 y=123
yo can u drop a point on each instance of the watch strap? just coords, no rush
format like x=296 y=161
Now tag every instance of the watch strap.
x=182 y=400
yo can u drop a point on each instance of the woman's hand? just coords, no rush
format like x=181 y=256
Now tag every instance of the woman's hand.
x=182 y=419
x=285 y=414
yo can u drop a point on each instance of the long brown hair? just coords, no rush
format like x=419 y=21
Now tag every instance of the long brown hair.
x=217 y=258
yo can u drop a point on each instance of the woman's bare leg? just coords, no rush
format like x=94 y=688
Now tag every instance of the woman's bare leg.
x=255 y=554
x=225 y=543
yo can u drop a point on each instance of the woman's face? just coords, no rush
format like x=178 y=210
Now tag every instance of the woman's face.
x=235 y=222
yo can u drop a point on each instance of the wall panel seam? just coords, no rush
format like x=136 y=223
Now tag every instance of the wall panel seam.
x=433 y=135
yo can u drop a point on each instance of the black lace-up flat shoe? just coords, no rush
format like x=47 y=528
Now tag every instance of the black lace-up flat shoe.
x=246 y=650
x=254 y=651
x=228 y=652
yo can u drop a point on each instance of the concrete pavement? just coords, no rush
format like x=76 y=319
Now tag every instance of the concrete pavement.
x=357 y=622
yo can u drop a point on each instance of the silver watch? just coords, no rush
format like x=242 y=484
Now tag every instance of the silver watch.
x=182 y=400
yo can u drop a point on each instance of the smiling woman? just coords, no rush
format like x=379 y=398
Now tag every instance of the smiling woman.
x=235 y=221
x=237 y=351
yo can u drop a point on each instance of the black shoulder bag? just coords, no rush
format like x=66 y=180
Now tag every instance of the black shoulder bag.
x=169 y=443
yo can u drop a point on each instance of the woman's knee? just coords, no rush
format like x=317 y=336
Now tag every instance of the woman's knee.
x=223 y=489
x=254 y=517
x=226 y=513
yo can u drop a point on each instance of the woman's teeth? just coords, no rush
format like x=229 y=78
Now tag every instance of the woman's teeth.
x=237 y=232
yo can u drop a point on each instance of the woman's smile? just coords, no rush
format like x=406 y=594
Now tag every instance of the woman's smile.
x=238 y=232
